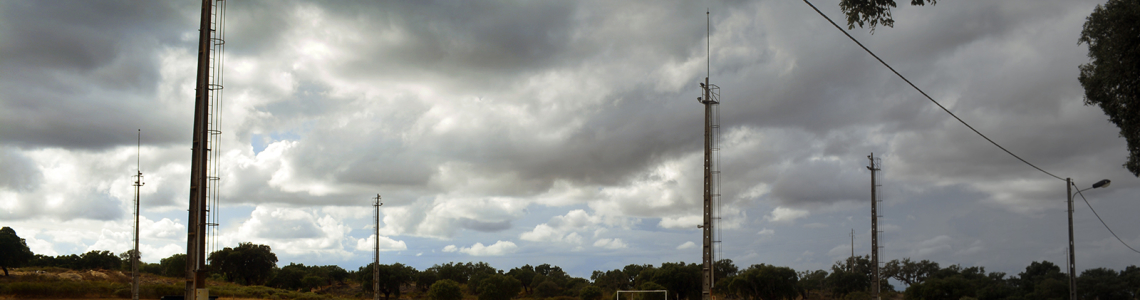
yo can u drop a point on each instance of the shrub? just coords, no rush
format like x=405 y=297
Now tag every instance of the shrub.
x=445 y=289
x=590 y=293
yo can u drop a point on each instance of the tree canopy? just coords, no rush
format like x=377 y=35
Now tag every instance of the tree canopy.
x=247 y=264
x=1112 y=78
x=499 y=287
x=14 y=250
x=392 y=277
x=873 y=12
x=445 y=289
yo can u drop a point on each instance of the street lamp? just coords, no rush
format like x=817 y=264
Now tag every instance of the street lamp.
x=1073 y=256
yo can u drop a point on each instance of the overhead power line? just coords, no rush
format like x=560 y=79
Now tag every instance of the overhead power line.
x=964 y=122
x=1102 y=221
x=928 y=96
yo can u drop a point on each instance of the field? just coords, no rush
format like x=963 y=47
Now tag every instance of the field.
x=59 y=283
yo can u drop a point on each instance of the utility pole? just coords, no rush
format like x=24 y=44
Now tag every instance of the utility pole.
x=1072 y=249
x=135 y=252
x=874 y=167
x=376 y=254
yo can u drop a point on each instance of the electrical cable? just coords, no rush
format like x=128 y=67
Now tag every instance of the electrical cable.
x=1102 y=221
x=964 y=122
x=924 y=93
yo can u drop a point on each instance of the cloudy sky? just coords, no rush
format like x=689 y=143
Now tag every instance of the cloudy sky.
x=563 y=132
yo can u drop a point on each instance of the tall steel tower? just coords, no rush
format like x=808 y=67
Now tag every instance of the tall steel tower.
x=711 y=101
x=207 y=114
x=376 y=254
x=875 y=167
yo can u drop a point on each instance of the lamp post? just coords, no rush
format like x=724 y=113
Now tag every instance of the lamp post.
x=1072 y=255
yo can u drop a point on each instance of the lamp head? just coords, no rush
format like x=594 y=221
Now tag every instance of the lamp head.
x=1102 y=183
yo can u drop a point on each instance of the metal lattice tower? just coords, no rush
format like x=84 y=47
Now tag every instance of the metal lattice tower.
x=204 y=157
x=376 y=253
x=711 y=102
x=875 y=167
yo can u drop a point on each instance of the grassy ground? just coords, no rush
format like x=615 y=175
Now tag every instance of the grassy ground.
x=57 y=283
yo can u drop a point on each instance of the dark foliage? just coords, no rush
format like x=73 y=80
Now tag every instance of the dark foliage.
x=1112 y=78
x=499 y=287
x=445 y=289
x=873 y=12
x=14 y=250
x=392 y=277
x=247 y=264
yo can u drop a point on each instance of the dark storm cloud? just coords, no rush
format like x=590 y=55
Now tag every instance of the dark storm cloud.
x=72 y=68
x=821 y=183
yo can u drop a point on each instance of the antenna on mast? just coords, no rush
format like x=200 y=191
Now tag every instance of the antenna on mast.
x=711 y=101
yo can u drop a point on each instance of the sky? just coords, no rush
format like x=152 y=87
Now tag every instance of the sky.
x=564 y=132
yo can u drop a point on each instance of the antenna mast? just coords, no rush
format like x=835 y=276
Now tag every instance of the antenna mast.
x=203 y=165
x=376 y=254
x=135 y=252
x=711 y=101
x=875 y=167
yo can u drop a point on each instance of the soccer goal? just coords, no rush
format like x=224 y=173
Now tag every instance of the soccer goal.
x=617 y=296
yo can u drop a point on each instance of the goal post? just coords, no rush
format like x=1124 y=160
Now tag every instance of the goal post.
x=617 y=295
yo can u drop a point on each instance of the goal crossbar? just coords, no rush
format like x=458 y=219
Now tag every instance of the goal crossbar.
x=617 y=295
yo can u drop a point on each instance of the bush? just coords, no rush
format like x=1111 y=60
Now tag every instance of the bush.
x=445 y=289
x=547 y=289
x=590 y=293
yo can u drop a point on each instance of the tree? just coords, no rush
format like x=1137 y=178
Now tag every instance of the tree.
x=1112 y=78
x=392 y=277
x=909 y=272
x=453 y=271
x=14 y=250
x=499 y=287
x=765 y=282
x=288 y=277
x=875 y=12
x=445 y=289
x=1103 y=284
x=590 y=293
x=546 y=289
x=682 y=280
x=812 y=280
x=1038 y=272
x=611 y=280
x=723 y=269
x=425 y=278
x=173 y=266
x=525 y=275
x=247 y=264
x=854 y=275
x=96 y=259
x=1131 y=277
x=125 y=258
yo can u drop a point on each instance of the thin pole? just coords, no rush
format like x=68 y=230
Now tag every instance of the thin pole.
x=1072 y=250
x=851 y=259
x=376 y=254
x=135 y=252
